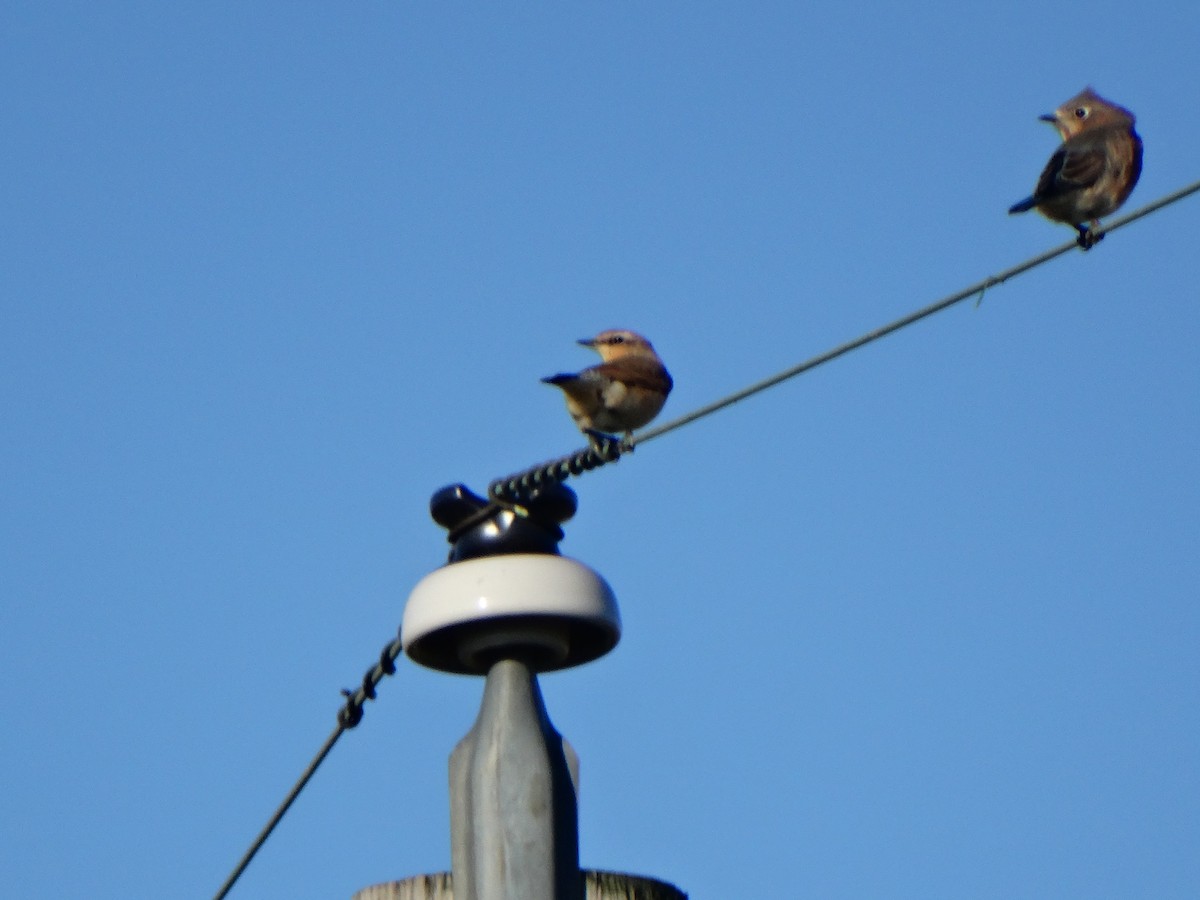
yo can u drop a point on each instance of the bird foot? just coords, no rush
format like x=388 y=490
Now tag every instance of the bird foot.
x=1087 y=238
x=605 y=445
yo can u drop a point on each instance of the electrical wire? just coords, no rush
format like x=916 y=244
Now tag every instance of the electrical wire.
x=348 y=716
x=507 y=492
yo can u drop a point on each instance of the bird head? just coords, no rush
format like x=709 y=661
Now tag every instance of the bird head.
x=1086 y=110
x=618 y=342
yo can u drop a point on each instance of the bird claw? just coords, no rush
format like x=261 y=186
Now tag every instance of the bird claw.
x=1087 y=238
x=604 y=445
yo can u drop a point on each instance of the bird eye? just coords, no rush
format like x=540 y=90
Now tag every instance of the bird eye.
x=1081 y=112
x=618 y=339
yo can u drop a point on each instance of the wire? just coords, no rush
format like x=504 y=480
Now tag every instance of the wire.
x=505 y=493
x=509 y=489
x=348 y=716
x=279 y=813
x=976 y=289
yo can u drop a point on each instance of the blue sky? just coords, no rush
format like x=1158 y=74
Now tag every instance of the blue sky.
x=922 y=623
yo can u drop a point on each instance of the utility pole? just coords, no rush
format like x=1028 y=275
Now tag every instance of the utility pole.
x=508 y=606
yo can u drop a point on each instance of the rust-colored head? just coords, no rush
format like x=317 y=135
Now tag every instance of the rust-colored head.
x=1087 y=110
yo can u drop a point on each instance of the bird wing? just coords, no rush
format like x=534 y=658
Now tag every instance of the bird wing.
x=1083 y=167
x=1072 y=168
x=634 y=372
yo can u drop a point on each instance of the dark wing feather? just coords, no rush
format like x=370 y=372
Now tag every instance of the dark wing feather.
x=1072 y=167
x=1083 y=167
x=635 y=372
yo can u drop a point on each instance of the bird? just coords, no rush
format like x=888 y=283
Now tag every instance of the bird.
x=1095 y=169
x=625 y=391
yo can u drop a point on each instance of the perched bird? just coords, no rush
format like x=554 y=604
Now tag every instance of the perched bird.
x=1094 y=170
x=625 y=391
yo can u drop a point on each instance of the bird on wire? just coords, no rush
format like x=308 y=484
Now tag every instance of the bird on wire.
x=1095 y=169
x=626 y=390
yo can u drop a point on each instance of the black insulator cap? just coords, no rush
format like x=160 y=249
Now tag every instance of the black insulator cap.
x=480 y=528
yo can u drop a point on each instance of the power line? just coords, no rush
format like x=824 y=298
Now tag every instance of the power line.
x=348 y=716
x=976 y=289
x=508 y=491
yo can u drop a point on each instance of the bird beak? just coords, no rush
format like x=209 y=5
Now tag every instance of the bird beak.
x=1049 y=117
x=586 y=342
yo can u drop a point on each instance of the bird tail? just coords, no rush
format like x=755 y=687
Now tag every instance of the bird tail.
x=560 y=380
x=1024 y=206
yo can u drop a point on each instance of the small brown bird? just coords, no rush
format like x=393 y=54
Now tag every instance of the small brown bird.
x=1095 y=169
x=625 y=391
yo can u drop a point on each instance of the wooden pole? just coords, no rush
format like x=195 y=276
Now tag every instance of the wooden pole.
x=597 y=886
